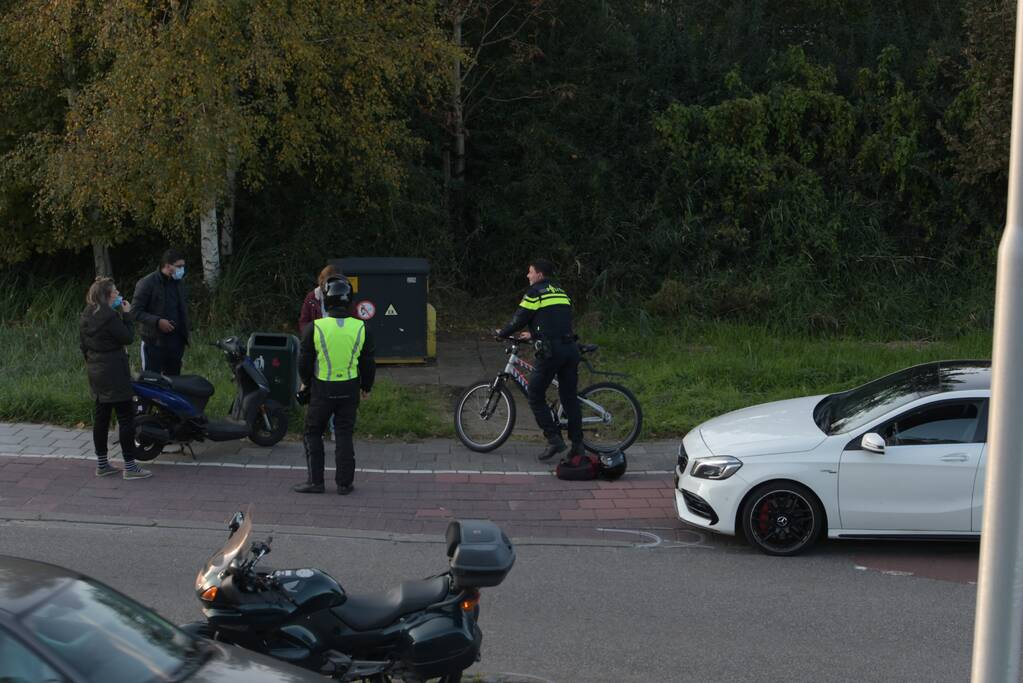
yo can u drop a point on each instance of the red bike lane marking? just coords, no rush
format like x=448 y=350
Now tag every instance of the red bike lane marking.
x=525 y=505
x=958 y=565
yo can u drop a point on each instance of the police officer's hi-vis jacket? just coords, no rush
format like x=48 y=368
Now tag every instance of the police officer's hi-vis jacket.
x=547 y=310
x=337 y=349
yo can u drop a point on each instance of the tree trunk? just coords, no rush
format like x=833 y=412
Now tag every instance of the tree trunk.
x=101 y=259
x=227 y=220
x=210 y=245
x=458 y=117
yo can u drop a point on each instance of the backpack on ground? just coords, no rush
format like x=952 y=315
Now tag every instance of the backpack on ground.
x=578 y=468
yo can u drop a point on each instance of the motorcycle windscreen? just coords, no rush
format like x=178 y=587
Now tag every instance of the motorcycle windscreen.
x=210 y=574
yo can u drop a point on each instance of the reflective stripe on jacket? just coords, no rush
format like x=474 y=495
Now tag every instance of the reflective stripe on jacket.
x=338 y=343
x=550 y=296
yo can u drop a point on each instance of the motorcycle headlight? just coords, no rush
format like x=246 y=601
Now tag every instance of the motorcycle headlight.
x=718 y=467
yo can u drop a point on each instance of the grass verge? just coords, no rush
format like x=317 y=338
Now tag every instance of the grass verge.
x=42 y=379
x=682 y=374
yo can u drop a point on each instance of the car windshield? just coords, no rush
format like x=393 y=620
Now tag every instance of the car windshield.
x=105 y=636
x=211 y=573
x=849 y=410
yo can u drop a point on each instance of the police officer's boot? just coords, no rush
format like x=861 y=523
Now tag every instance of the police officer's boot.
x=555 y=444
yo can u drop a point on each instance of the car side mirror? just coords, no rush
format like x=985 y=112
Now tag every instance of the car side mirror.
x=873 y=442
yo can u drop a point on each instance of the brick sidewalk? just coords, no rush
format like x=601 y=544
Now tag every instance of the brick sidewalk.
x=526 y=506
x=428 y=454
x=47 y=472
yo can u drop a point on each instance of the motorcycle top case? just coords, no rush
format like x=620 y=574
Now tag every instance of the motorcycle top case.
x=479 y=553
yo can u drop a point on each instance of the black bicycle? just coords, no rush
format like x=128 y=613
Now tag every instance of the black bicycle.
x=485 y=412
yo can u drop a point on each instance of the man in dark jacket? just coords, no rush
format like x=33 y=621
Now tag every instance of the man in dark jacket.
x=162 y=305
x=547 y=311
x=335 y=361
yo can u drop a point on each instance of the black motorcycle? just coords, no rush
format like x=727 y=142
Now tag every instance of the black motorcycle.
x=173 y=409
x=417 y=631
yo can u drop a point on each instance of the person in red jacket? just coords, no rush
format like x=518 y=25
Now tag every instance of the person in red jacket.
x=312 y=307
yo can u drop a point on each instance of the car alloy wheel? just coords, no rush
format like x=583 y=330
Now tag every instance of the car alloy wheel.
x=782 y=519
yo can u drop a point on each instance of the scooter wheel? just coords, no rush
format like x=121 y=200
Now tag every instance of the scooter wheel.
x=145 y=449
x=270 y=425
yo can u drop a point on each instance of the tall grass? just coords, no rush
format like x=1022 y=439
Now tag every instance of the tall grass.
x=684 y=370
x=42 y=370
x=687 y=373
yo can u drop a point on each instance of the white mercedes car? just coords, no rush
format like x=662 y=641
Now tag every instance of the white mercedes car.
x=902 y=456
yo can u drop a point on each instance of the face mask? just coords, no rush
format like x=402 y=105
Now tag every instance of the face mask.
x=117 y=302
x=179 y=272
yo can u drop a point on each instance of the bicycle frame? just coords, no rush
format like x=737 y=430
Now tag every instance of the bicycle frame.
x=518 y=369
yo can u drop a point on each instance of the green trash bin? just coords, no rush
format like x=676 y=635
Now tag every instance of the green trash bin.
x=276 y=355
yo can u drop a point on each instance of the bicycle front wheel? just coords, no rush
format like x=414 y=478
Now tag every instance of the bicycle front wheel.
x=612 y=418
x=484 y=416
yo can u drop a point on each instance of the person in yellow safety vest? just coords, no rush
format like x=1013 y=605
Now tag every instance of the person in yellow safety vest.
x=335 y=361
x=547 y=310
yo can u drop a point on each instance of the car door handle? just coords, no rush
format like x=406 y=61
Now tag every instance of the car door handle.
x=955 y=457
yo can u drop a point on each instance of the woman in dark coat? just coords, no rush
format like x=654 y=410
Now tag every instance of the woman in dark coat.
x=105 y=328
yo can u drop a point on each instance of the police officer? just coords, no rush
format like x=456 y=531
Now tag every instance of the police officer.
x=336 y=362
x=547 y=310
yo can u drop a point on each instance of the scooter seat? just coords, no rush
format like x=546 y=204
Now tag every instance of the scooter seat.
x=368 y=612
x=155 y=378
x=191 y=385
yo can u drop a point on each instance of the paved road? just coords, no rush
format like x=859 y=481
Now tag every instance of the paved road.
x=704 y=610
x=586 y=600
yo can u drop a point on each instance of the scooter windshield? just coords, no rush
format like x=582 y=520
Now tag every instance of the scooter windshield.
x=212 y=573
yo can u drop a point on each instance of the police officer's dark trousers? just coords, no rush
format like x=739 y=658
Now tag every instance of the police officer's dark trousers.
x=563 y=363
x=339 y=400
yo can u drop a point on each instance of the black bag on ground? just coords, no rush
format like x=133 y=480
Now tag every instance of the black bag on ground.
x=578 y=468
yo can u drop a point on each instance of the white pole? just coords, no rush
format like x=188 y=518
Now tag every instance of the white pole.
x=999 y=622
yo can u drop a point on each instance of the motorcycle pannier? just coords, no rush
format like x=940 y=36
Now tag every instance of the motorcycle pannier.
x=479 y=553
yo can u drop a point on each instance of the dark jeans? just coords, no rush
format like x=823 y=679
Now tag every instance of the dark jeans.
x=165 y=358
x=562 y=363
x=125 y=427
x=339 y=400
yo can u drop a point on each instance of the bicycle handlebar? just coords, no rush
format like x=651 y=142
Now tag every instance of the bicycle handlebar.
x=583 y=348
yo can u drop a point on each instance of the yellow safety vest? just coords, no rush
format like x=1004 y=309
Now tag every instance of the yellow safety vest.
x=338 y=342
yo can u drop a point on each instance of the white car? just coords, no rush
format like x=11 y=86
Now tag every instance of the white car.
x=902 y=456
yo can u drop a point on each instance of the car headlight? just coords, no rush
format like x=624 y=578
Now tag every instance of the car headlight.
x=718 y=467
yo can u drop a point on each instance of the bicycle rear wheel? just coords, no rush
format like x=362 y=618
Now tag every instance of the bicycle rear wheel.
x=612 y=417
x=484 y=416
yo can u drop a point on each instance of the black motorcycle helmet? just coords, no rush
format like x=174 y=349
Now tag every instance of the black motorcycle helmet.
x=337 y=293
x=613 y=464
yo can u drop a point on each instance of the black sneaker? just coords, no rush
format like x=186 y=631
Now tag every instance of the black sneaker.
x=308 y=487
x=553 y=448
x=345 y=490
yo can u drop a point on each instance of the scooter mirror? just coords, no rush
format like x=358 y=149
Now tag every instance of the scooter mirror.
x=236 y=521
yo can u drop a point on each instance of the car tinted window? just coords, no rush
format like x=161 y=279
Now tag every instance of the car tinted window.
x=18 y=664
x=106 y=637
x=858 y=407
x=937 y=424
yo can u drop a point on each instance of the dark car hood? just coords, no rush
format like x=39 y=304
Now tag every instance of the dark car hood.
x=230 y=664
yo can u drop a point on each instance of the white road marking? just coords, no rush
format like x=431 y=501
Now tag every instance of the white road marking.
x=256 y=466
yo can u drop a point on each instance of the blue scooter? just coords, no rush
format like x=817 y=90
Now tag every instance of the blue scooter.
x=172 y=409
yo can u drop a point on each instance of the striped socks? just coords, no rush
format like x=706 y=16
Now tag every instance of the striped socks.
x=102 y=462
